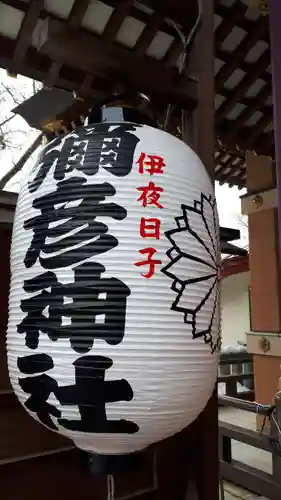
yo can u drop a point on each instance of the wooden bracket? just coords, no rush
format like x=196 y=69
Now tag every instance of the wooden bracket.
x=266 y=344
x=258 y=201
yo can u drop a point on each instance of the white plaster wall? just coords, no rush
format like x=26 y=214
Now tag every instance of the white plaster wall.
x=235 y=314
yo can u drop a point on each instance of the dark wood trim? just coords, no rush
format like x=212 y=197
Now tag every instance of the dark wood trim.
x=245 y=24
x=257 y=481
x=252 y=438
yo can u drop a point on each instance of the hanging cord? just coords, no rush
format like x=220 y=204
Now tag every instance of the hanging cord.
x=186 y=42
x=110 y=487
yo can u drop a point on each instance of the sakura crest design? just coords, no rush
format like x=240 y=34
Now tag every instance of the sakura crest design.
x=193 y=262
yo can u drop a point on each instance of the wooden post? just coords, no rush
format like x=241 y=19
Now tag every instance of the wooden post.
x=199 y=134
x=263 y=340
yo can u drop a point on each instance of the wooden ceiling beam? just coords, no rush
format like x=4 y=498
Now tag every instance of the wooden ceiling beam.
x=53 y=74
x=138 y=14
x=235 y=178
x=233 y=174
x=89 y=53
x=242 y=87
x=268 y=143
x=241 y=51
x=247 y=101
x=243 y=23
x=258 y=129
x=237 y=12
x=72 y=80
x=233 y=181
x=77 y=14
x=264 y=144
x=116 y=20
x=184 y=13
x=219 y=158
x=148 y=35
x=261 y=145
x=38 y=69
x=173 y=53
x=224 y=166
x=23 y=39
x=145 y=17
x=240 y=121
x=73 y=22
x=243 y=65
x=84 y=89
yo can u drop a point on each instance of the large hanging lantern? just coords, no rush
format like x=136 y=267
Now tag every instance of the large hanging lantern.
x=113 y=317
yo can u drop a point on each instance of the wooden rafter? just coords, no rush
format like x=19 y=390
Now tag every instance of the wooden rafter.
x=260 y=99
x=77 y=13
x=243 y=86
x=173 y=54
x=93 y=66
x=224 y=29
x=224 y=166
x=241 y=51
x=85 y=87
x=25 y=33
x=234 y=162
x=53 y=74
x=234 y=181
x=238 y=178
x=116 y=20
x=68 y=79
x=148 y=35
x=241 y=22
x=258 y=129
x=143 y=16
x=268 y=144
x=243 y=65
x=236 y=166
x=247 y=101
x=88 y=52
x=183 y=13
x=74 y=20
x=220 y=159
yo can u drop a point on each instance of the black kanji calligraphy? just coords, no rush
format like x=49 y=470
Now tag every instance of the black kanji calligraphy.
x=91 y=393
x=111 y=147
x=35 y=363
x=35 y=319
x=86 y=150
x=40 y=387
x=67 y=231
x=92 y=307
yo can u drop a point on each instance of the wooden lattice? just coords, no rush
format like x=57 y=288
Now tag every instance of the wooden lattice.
x=95 y=48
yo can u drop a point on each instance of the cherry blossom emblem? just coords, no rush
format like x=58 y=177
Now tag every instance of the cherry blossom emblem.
x=194 y=268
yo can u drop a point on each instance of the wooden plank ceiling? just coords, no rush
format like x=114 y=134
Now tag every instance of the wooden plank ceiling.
x=243 y=88
x=95 y=48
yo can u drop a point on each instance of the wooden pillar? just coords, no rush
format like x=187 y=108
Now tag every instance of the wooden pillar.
x=200 y=135
x=264 y=340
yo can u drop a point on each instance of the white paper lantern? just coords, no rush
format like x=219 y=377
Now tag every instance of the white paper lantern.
x=113 y=317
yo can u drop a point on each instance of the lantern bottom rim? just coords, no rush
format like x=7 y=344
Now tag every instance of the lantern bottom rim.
x=96 y=463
